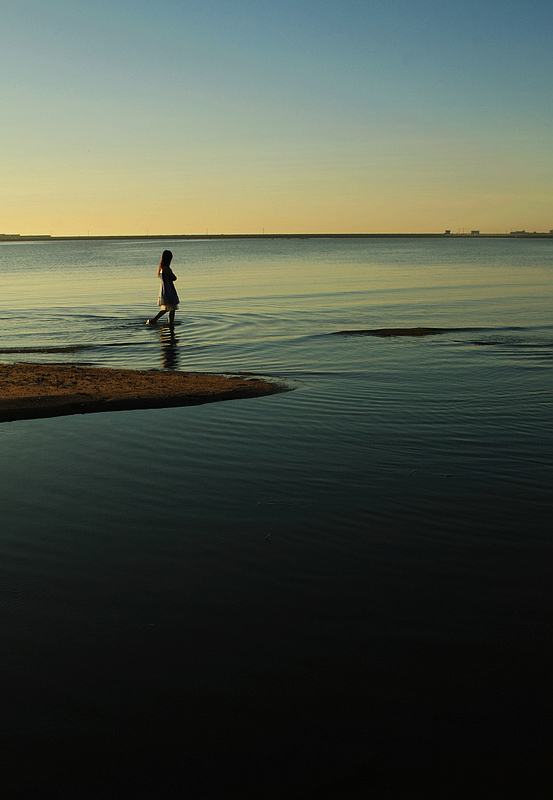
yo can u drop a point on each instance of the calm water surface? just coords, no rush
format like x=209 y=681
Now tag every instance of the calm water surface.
x=340 y=591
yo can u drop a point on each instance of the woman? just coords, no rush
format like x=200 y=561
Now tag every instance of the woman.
x=168 y=298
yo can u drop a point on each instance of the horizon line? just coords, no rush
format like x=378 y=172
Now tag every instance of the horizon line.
x=16 y=237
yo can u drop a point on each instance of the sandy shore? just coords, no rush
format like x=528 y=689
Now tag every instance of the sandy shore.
x=50 y=390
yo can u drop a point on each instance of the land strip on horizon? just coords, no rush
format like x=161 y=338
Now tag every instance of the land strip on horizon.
x=16 y=237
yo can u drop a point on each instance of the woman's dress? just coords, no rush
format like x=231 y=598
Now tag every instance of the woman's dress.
x=168 y=298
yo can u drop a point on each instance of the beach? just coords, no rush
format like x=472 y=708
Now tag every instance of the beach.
x=45 y=390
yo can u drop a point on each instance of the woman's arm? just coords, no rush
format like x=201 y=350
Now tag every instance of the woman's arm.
x=168 y=271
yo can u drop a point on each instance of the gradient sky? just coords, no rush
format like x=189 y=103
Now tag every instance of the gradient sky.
x=173 y=116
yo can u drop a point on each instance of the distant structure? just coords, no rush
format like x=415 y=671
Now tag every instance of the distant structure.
x=14 y=237
x=475 y=233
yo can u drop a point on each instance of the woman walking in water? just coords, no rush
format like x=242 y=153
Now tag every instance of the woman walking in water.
x=168 y=298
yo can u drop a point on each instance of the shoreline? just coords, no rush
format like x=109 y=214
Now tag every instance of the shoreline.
x=15 y=237
x=31 y=391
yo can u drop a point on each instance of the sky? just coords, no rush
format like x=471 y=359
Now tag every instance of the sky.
x=282 y=116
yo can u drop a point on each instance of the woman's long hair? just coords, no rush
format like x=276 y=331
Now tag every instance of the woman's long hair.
x=166 y=258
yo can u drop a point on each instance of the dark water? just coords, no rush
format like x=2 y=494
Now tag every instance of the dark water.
x=341 y=591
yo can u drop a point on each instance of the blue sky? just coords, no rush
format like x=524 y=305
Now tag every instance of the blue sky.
x=182 y=117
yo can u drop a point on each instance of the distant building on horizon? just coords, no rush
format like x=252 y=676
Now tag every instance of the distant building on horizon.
x=10 y=237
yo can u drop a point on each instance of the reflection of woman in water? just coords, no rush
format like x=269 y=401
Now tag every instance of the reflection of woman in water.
x=168 y=298
x=169 y=349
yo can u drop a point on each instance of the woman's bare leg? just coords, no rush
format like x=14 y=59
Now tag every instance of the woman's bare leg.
x=155 y=319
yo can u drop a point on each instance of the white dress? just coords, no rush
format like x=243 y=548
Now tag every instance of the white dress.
x=168 y=298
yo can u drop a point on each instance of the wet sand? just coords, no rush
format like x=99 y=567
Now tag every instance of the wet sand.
x=48 y=390
x=400 y=331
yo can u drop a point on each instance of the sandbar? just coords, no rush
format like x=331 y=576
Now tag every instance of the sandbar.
x=29 y=391
x=400 y=331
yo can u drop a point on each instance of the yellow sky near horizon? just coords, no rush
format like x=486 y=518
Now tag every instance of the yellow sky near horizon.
x=241 y=118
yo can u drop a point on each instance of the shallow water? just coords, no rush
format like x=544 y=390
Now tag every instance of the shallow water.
x=343 y=590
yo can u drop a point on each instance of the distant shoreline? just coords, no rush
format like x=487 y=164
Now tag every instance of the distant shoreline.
x=8 y=237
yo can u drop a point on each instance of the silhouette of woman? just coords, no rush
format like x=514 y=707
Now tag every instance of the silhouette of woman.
x=168 y=299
